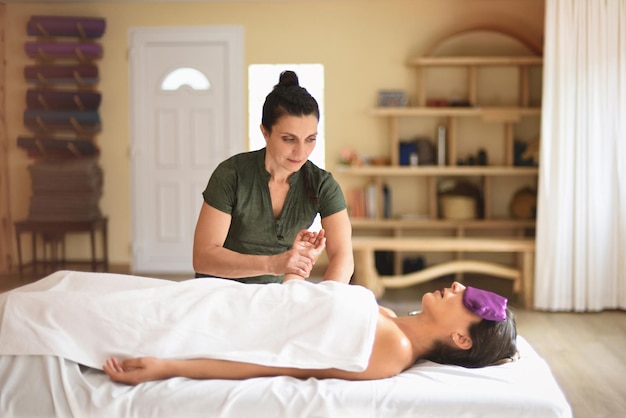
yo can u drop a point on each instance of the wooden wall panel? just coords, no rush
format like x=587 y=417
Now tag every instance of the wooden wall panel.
x=6 y=221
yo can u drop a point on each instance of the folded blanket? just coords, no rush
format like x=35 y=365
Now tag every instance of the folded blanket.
x=88 y=317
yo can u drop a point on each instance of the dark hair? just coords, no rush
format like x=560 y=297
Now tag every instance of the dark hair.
x=493 y=343
x=288 y=98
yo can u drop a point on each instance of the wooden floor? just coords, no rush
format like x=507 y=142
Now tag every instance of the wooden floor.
x=586 y=351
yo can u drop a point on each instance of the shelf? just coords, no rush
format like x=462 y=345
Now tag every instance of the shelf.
x=449 y=143
x=476 y=61
x=459 y=137
x=392 y=171
x=491 y=113
x=363 y=223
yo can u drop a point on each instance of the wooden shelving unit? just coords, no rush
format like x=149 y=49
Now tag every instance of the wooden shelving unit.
x=450 y=115
x=508 y=116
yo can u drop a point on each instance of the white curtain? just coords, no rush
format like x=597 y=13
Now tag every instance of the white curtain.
x=581 y=214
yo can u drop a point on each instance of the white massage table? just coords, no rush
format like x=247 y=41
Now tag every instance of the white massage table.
x=48 y=386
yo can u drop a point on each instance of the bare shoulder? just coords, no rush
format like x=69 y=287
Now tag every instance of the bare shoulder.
x=392 y=352
x=387 y=311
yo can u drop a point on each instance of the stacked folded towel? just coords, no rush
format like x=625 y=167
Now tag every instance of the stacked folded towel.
x=65 y=190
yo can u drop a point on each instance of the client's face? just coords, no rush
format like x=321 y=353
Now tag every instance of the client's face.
x=446 y=308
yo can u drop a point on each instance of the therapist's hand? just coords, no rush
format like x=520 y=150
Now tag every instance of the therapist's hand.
x=291 y=262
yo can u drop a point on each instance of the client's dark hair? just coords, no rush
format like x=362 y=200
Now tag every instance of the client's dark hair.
x=492 y=343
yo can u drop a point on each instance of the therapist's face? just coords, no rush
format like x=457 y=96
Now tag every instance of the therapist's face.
x=290 y=142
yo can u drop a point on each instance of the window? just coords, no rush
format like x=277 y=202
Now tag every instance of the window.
x=185 y=77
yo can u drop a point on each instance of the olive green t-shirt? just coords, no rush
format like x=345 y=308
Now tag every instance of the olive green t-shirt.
x=239 y=187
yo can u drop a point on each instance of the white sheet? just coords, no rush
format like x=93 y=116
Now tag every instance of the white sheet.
x=46 y=386
x=209 y=318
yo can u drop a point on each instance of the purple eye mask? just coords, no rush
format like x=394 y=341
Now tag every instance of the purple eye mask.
x=487 y=305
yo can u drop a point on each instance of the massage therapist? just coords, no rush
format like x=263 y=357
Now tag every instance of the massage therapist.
x=256 y=203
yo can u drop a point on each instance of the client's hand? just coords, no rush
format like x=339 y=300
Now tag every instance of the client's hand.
x=310 y=244
x=136 y=370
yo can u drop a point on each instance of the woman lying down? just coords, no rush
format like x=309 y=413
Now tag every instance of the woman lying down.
x=458 y=325
x=221 y=329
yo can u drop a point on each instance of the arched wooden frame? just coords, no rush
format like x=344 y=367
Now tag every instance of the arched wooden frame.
x=532 y=45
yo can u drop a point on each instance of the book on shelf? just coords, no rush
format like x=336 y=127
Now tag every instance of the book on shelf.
x=356 y=203
x=370 y=201
x=362 y=202
x=441 y=145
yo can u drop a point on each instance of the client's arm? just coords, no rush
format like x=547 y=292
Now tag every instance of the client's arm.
x=139 y=370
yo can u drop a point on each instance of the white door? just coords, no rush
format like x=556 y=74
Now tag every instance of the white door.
x=187 y=115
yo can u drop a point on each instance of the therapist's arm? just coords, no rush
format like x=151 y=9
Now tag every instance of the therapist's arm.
x=339 y=247
x=211 y=258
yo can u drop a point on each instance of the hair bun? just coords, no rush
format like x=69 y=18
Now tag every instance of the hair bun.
x=288 y=78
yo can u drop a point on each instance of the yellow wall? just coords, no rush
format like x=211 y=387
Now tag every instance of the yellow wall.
x=363 y=45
